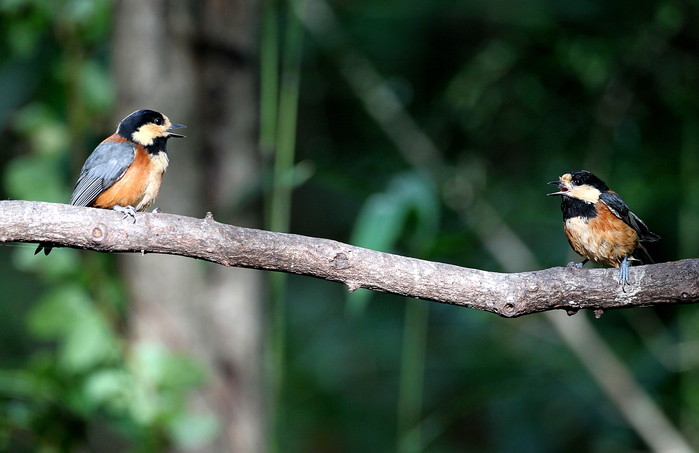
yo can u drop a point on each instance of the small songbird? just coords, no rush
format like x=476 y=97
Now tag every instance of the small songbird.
x=125 y=171
x=598 y=224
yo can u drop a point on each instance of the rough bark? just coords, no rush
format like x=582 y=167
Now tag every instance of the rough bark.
x=508 y=295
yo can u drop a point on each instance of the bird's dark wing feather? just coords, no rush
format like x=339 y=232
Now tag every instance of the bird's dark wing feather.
x=619 y=209
x=105 y=166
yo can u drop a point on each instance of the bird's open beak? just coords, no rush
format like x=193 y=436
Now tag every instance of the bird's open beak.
x=560 y=186
x=175 y=126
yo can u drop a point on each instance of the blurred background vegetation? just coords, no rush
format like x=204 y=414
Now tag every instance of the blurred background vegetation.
x=425 y=128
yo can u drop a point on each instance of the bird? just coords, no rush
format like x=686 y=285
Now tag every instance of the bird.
x=125 y=171
x=599 y=225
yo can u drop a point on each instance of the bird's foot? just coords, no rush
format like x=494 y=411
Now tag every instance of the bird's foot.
x=155 y=210
x=624 y=273
x=578 y=265
x=128 y=211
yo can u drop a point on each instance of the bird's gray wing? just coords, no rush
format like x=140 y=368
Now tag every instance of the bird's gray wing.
x=105 y=166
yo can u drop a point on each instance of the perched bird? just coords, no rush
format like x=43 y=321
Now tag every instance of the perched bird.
x=598 y=224
x=125 y=171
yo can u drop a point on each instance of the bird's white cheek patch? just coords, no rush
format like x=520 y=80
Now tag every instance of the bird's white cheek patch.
x=585 y=193
x=146 y=134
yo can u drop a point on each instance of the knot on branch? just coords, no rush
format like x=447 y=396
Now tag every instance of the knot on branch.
x=99 y=232
x=340 y=261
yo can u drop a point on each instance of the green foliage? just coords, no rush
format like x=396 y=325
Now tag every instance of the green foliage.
x=87 y=376
x=67 y=317
x=74 y=377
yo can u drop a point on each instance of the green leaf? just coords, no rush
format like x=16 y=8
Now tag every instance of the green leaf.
x=193 y=430
x=35 y=178
x=68 y=316
x=160 y=368
x=108 y=387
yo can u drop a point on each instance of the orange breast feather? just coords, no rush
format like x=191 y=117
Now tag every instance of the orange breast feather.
x=129 y=190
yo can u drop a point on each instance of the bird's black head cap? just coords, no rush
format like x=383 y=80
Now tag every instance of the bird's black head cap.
x=582 y=177
x=131 y=123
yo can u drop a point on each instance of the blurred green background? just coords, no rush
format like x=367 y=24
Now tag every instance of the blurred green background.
x=425 y=128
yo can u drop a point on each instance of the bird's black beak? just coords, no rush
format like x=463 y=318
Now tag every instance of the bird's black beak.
x=175 y=126
x=560 y=192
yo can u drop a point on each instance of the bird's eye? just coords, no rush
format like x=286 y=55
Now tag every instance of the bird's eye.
x=158 y=121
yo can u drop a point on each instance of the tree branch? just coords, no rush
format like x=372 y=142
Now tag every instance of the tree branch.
x=507 y=295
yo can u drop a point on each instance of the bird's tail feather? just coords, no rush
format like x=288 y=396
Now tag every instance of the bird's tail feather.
x=642 y=254
x=45 y=247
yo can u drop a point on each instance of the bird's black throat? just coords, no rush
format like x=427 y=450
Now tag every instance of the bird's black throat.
x=574 y=207
x=159 y=144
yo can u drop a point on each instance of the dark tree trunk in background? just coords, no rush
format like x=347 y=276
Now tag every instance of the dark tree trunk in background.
x=193 y=60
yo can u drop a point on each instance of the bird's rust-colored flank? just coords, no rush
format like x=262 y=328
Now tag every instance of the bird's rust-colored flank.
x=603 y=239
